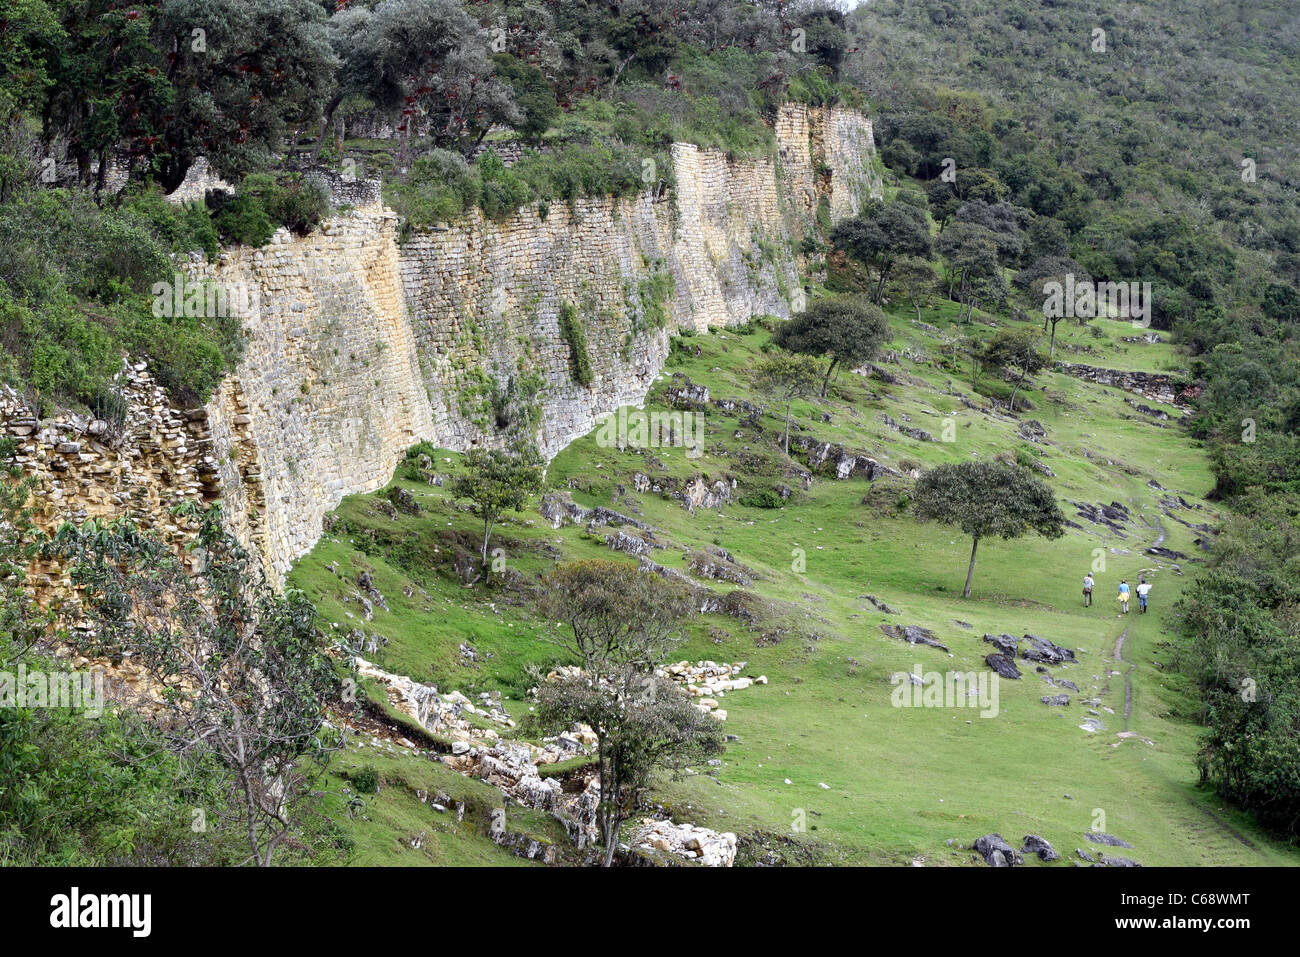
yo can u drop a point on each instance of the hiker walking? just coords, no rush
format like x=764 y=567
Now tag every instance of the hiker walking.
x=1087 y=590
x=1143 y=589
x=1123 y=595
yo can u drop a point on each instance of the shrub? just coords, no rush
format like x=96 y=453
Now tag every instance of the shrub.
x=503 y=190
x=762 y=498
x=262 y=204
x=366 y=780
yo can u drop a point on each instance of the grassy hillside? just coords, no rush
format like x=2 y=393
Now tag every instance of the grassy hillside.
x=874 y=783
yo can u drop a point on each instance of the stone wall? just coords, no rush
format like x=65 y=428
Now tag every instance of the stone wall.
x=141 y=467
x=359 y=346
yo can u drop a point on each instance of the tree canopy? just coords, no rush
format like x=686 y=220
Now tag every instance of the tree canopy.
x=846 y=329
x=988 y=500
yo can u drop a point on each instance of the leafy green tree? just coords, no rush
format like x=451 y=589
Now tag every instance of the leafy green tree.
x=428 y=61
x=974 y=272
x=31 y=28
x=1014 y=352
x=848 y=330
x=621 y=624
x=240 y=670
x=497 y=481
x=255 y=73
x=882 y=234
x=786 y=377
x=532 y=93
x=918 y=281
x=986 y=500
x=173 y=80
x=108 y=86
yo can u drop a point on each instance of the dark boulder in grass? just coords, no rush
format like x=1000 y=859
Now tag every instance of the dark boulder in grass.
x=1003 y=665
x=1110 y=840
x=1040 y=846
x=1044 y=651
x=914 y=634
x=1007 y=645
x=1056 y=700
x=880 y=605
x=996 y=851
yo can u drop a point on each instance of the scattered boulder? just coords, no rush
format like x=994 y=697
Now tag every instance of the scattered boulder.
x=1007 y=645
x=1042 y=650
x=996 y=851
x=914 y=634
x=1105 y=861
x=1040 y=846
x=697 y=845
x=879 y=605
x=1168 y=553
x=1098 y=837
x=1056 y=700
x=1003 y=665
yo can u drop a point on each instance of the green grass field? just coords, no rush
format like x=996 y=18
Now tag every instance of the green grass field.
x=867 y=782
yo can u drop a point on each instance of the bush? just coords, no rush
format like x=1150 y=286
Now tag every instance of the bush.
x=366 y=780
x=503 y=190
x=242 y=220
x=262 y=204
x=762 y=498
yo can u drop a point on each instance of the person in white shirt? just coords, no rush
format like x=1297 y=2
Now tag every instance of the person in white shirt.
x=1144 y=587
x=1087 y=590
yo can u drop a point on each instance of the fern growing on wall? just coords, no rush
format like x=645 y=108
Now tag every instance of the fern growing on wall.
x=579 y=358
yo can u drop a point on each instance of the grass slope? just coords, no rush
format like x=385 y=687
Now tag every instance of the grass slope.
x=872 y=783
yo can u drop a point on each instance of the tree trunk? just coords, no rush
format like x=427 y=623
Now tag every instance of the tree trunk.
x=1051 y=348
x=487 y=537
x=787 y=427
x=1019 y=383
x=970 y=571
x=328 y=115
x=827 y=381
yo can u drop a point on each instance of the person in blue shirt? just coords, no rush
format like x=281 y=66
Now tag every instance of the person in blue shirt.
x=1123 y=595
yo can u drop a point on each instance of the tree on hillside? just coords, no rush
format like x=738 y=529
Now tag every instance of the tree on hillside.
x=497 y=481
x=974 y=272
x=621 y=624
x=785 y=377
x=988 y=499
x=1015 y=353
x=422 y=59
x=918 y=280
x=255 y=73
x=1005 y=223
x=242 y=672
x=971 y=184
x=882 y=234
x=848 y=330
x=532 y=93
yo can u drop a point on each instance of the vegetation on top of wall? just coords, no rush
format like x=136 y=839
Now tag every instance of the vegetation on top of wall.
x=77 y=293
